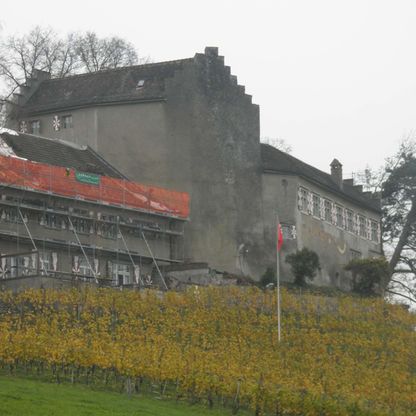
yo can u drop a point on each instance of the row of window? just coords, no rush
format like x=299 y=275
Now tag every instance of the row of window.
x=329 y=211
x=34 y=126
x=82 y=212
x=27 y=265
x=81 y=225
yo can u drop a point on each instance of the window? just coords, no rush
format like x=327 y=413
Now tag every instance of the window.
x=48 y=261
x=81 y=267
x=140 y=84
x=53 y=221
x=121 y=274
x=362 y=231
x=67 y=122
x=303 y=199
x=11 y=215
x=35 y=127
x=82 y=226
x=107 y=230
x=328 y=210
x=374 y=231
x=316 y=206
x=288 y=231
x=84 y=267
x=349 y=220
x=339 y=216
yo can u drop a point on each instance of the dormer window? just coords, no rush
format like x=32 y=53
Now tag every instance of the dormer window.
x=140 y=84
x=35 y=127
x=67 y=121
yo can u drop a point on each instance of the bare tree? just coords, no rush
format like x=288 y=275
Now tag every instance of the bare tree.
x=96 y=54
x=43 y=49
x=399 y=219
x=278 y=143
x=20 y=56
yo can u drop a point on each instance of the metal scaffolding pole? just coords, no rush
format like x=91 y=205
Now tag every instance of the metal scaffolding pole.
x=82 y=249
x=128 y=252
x=31 y=239
x=154 y=260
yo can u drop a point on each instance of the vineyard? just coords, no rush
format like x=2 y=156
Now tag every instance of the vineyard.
x=338 y=356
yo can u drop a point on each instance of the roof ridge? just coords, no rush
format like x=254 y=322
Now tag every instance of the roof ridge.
x=102 y=71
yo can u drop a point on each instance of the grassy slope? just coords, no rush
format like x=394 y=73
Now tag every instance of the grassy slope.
x=23 y=397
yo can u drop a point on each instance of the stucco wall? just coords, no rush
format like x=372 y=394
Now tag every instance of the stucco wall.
x=83 y=131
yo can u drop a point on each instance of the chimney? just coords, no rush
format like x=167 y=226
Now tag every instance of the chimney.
x=336 y=172
x=211 y=51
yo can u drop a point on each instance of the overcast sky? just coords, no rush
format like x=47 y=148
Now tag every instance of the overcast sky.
x=332 y=78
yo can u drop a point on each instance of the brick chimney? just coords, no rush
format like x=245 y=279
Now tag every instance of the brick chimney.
x=336 y=172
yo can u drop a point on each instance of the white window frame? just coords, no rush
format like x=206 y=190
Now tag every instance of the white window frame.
x=349 y=220
x=121 y=270
x=316 y=205
x=328 y=210
x=303 y=199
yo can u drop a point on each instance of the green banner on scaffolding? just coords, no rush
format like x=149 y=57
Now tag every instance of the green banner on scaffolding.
x=89 y=178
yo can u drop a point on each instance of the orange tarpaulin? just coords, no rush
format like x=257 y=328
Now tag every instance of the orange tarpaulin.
x=61 y=181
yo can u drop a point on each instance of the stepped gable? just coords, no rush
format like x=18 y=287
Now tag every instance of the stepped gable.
x=128 y=84
x=274 y=160
x=58 y=153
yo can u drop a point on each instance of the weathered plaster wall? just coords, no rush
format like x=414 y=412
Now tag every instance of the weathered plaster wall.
x=83 y=132
x=203 y=140
x=332 y=244
x=279 y=198
x=216 y=130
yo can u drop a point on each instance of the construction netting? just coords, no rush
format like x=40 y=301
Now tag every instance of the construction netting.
x=67 y=182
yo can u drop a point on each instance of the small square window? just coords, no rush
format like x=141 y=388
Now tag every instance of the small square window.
x=288 y=231
x=67 y=122
x=35 y=127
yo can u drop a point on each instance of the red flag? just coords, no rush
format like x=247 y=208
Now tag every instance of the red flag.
x=279 y=237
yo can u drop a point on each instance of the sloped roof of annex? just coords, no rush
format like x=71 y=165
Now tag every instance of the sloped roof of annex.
x=277 y=161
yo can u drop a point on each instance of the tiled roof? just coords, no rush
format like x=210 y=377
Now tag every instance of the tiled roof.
x=58 y=153
x=127 y=84
x=274 y=160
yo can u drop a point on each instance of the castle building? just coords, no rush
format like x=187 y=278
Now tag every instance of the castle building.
x=188 y=125
x=67 y=215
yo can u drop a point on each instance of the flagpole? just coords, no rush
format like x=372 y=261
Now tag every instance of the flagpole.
x=278 y=276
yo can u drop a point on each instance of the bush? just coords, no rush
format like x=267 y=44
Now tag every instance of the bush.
x=368 y=275
x=304 y=264
x=268 y=277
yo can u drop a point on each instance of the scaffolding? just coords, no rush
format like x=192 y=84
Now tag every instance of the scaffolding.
x=53 y=195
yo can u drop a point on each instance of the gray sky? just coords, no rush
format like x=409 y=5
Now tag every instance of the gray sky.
x=333 y=78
